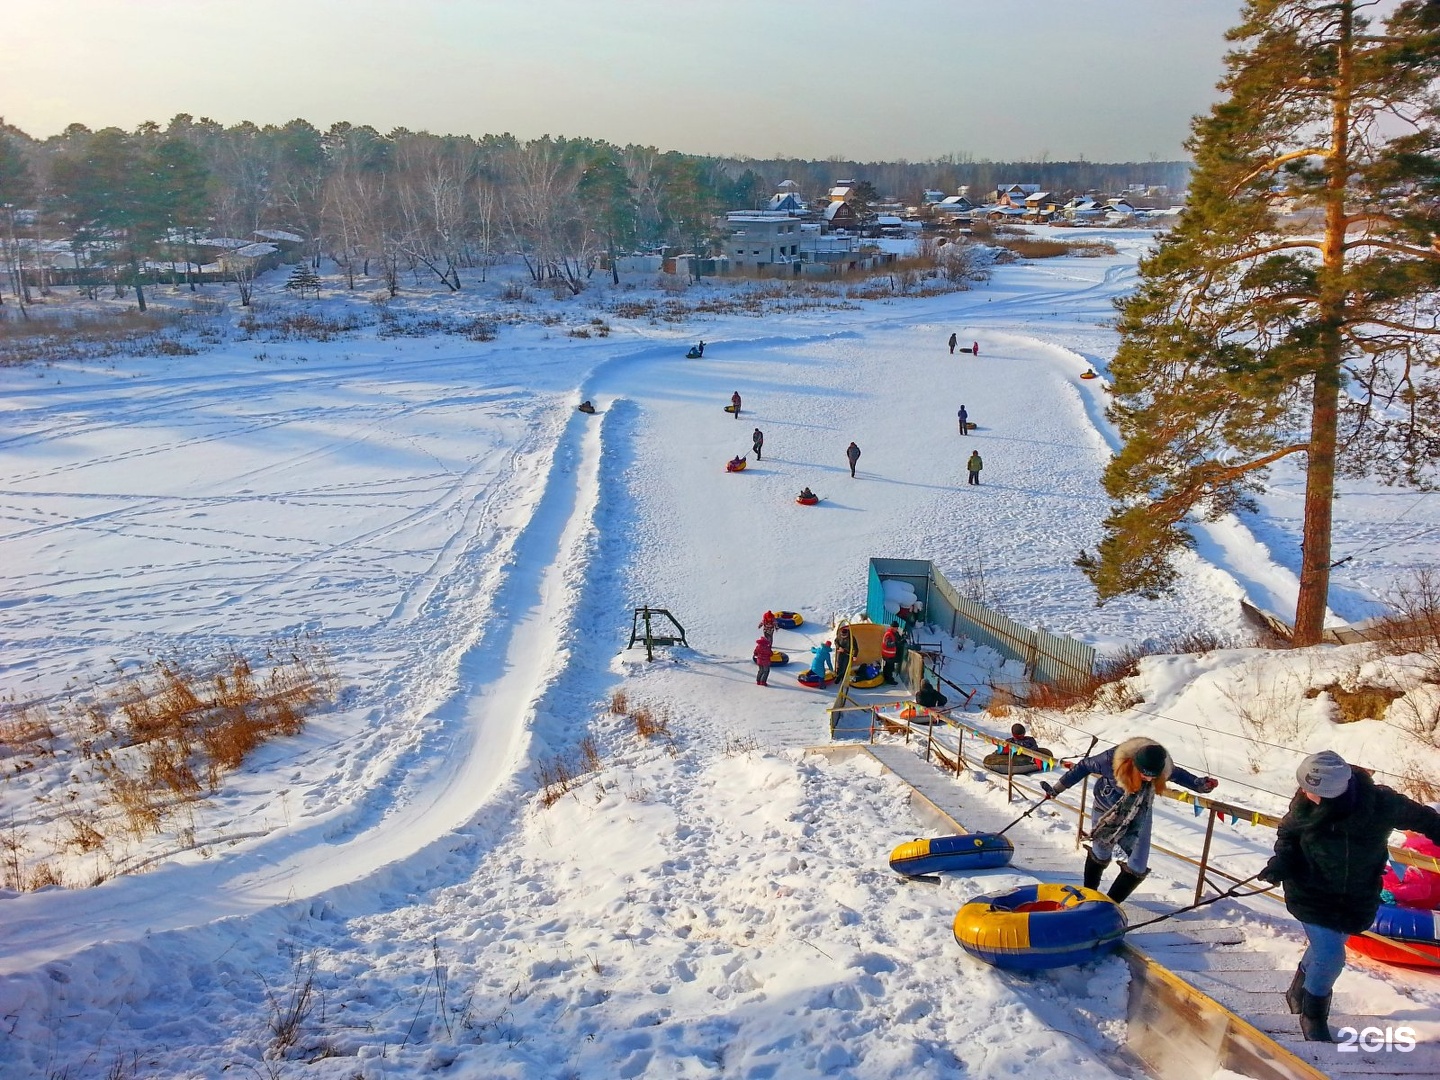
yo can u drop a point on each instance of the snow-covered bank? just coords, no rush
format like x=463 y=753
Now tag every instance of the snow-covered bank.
x=471 y=549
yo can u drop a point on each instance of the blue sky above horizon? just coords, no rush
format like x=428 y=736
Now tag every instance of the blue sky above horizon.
x=851 y=79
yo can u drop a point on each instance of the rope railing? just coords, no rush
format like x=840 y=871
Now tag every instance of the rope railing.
x=911 y=721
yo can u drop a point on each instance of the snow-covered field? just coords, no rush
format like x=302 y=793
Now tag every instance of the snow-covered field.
x=469 y=550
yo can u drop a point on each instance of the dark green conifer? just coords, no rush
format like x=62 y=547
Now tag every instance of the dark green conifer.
x=304 y=279
x=1292 y=312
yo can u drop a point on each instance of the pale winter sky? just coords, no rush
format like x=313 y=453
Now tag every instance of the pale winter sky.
x=1111 y=80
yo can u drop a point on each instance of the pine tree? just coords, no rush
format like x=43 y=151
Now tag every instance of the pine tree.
x=304 y=279
x=1292 y=313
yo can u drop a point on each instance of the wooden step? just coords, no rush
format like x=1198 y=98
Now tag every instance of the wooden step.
x=1161 y=938
x=1335 y=1060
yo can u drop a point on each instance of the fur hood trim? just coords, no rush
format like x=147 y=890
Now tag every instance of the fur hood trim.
x=1127 y=775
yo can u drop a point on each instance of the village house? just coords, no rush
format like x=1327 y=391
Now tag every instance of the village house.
x=761 y=238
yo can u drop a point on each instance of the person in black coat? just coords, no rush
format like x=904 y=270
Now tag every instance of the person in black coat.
x=927 y=697
x=757 y=440
x=1330 y=852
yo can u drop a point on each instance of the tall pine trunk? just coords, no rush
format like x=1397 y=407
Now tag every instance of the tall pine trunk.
x=1314 y=594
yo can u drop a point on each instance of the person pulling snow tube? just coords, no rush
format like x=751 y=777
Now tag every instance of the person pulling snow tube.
x=867 y=675
x=1040 y=926
x=788 y=620
x=968 y=851
x=815 y=682
x=777 y=658
x=1415 y=933
x=735 y=464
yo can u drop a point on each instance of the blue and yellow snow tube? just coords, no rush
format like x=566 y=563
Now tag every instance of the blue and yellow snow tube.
x=788 y=620
x=968 y=851
x=777 y=658
x=1040 y=926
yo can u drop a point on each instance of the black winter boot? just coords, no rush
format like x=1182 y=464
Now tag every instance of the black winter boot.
x=1125 y=884
x=1315 y=1017
x=1295 y=996
x=1094 y=868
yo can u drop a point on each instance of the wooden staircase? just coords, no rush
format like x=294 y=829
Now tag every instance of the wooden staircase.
x=1215 y=998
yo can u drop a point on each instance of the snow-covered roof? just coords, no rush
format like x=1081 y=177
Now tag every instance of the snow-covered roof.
x=255 y=251
x=229 y=243
x=1038 y=196
x=279 y=234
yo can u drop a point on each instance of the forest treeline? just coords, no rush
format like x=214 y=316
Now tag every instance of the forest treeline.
x=413 y=201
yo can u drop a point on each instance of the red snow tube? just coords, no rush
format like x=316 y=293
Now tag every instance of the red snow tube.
x=1409 y=937
x=735 y=465
x=810 y=501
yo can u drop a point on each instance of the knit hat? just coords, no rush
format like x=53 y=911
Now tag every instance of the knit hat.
x=1325 y=774
x=769 y=614
x=1017 y=730
x=1151 y=759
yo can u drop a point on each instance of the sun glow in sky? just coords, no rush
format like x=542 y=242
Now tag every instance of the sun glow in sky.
x=1109 y=80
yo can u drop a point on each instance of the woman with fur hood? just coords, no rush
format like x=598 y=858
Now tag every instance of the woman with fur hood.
x=1129 y=777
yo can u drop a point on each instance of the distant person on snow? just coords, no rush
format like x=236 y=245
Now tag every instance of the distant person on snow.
x=974 y=465
x=767 y=626
x=1330 y=849
x=757 y=440
x=927 y=697
x=892 y=645
x=735 y=402
x=820 y=662
x=953 y=340
x=1129 y=776
x=975 y=348
x=852 y=454
x=764 y=653
x=700 y=349
x=842 y=650
x=964 y=418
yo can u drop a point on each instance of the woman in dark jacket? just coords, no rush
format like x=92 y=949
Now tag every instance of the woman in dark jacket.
x=1330 y=852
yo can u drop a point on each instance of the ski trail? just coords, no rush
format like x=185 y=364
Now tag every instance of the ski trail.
x=482 y=725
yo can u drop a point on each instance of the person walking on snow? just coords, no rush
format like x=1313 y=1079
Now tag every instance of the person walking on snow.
x=1330 y=850
x=852 y=453
x=764 y=653
x=820 y=662
x=964 y=421
x=767 y=626
x=1129 y=777
x=974 y=465
x=975 y=348
x=735 y=403
x=953 y=340
x=757 y=440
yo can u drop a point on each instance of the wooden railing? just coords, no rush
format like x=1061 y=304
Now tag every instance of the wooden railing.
x=925 y=722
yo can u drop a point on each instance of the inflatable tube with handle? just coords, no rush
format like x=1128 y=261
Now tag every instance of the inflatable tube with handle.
x=968 y=851
x=1040 y=926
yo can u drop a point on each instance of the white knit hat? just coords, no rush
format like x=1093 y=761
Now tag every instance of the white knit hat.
x=1325 y=774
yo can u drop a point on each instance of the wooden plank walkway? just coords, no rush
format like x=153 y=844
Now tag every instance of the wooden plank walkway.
x=1207 y=948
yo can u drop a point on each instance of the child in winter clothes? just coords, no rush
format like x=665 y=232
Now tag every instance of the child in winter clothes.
x=764 y=653
x=767 y=626
x=1419 y=889
x=1019 y=738
x=1130 y=776
x=821 y=662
